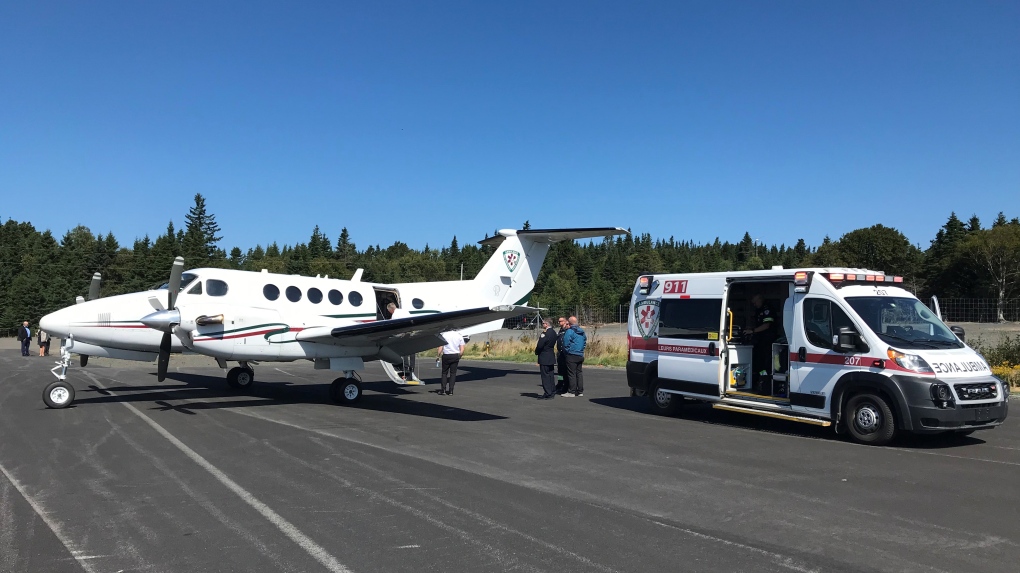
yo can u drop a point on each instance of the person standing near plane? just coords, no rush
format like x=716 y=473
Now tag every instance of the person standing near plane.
x=561 y=357
x=546 y=360
x=25 y=337
x=450 y=356
x=574 y=340
x=43 y=340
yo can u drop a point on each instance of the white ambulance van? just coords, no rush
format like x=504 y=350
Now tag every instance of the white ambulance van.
x=850 y=349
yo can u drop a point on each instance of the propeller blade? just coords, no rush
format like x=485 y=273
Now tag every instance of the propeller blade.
x=97 y=279
x=155 y=304
x=175 y=281
x=164 y=357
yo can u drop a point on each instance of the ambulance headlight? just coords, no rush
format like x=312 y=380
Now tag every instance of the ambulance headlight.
x=910 y=362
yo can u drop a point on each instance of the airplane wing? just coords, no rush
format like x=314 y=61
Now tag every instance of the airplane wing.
x=411 y=334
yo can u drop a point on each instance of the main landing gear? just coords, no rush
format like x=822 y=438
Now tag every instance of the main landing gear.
x=241 y=377
x=347 y=390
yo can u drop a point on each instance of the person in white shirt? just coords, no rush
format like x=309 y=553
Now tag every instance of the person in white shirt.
x=450 y=357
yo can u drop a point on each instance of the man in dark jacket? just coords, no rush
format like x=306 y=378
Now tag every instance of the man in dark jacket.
x=25 y=337
x=574 y=341
x=546 y=360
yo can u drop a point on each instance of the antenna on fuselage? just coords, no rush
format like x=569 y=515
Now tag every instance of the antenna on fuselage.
x=357 y=275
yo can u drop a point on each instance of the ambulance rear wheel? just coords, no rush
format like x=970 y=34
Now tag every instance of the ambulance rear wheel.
x=870 y=420
x=58 y=395
x=664 y=403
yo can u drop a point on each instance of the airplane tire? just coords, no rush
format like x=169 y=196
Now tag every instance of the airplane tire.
x=345 y=391
x=58 y=395
x=240 y=378
x=870 y=420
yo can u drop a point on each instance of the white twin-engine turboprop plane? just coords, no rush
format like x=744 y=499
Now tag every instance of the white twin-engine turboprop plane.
x=252 y=317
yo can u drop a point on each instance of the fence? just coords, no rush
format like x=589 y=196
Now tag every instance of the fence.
x=978 y=310
x=953 y=310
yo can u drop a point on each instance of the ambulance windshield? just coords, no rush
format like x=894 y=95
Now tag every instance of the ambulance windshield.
x=904 y=322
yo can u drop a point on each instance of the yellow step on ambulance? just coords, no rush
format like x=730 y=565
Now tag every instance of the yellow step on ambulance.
x=846 y=348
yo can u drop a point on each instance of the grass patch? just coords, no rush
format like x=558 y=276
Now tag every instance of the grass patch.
x=600 y=351
x=1004 y=358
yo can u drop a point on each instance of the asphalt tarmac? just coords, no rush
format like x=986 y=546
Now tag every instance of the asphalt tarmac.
x=188 y=475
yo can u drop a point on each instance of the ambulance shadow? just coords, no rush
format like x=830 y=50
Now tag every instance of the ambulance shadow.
x=703 y=412
x=196 y=392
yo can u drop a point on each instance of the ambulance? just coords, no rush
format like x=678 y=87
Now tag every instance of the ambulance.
x=852 y=349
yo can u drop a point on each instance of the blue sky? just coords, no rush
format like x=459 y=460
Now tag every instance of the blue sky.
x=418 y=121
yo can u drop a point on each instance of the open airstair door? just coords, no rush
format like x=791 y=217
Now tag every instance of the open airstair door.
x=406 y=372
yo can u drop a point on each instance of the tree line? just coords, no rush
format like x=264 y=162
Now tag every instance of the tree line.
x=39 y=274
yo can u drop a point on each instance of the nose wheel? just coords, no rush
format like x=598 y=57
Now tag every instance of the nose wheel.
x=241 y=377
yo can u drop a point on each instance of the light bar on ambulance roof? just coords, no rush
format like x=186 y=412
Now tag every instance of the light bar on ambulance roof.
x=644 y=284
x=839 y=279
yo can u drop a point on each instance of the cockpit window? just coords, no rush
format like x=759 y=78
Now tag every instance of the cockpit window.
x=197 y=289
x=215 y=287
x=186 y=280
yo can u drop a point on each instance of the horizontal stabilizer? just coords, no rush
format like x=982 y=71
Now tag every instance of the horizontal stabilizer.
x=554 y=235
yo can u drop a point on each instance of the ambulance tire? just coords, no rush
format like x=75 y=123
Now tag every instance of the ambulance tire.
x=664 y=403
x=870 y=419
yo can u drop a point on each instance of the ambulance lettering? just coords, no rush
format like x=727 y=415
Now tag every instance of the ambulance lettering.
x=955 y=367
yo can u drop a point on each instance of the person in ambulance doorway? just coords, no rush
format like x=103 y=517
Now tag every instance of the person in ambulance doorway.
x=762 y=334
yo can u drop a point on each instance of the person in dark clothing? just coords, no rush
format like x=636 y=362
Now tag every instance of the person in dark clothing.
x=763 y=334
x=546 y=360
x=561 y=357
x=25 y=337
x=574 y=341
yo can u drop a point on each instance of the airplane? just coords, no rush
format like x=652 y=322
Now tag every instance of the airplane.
x=253 y=317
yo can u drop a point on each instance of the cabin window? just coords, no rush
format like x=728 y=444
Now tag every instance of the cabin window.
x=315 y=295
x=690 y=318
x=417 y=303
x=197 y=289
x=293 y=294
x=355 y=298
x=215 y=287
x=271 y=292
x=336 y=297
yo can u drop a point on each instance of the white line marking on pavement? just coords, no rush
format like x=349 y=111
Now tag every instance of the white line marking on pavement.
x=287 y=528
x=284 y=372
x=54 y=526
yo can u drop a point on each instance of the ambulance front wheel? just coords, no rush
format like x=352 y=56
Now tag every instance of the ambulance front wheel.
x=664 y=403
x=870 y=420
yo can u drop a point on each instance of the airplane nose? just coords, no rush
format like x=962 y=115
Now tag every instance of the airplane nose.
x=56 y=324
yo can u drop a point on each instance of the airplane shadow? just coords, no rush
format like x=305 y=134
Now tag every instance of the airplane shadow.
x=197 y=392
x=703 y=412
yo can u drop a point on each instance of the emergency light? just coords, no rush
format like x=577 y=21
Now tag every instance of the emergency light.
x=644 y=284
x=839 y=279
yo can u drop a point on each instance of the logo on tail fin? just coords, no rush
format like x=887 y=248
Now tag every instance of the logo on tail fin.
x=512 y=259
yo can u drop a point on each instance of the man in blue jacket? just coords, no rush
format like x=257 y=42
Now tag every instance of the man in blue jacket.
x=574 y=341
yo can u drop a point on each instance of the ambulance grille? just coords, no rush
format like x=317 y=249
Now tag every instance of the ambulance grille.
x=982 y=391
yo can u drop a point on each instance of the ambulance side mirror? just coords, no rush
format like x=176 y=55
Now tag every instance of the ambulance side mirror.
x=850 y=340
x=959 y=332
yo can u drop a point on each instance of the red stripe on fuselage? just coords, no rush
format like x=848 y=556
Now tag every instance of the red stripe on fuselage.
x=247 y=334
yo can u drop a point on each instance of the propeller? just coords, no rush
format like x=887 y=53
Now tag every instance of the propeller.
x=166 y=320
x=97 y=279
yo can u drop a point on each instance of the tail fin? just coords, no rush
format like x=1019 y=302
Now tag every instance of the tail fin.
x=509 y=276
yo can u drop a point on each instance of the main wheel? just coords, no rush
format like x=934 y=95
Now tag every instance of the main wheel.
x=345 y=391
x=58 y=394
x=664 y=403
x=240 y=378
x=870 y=420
